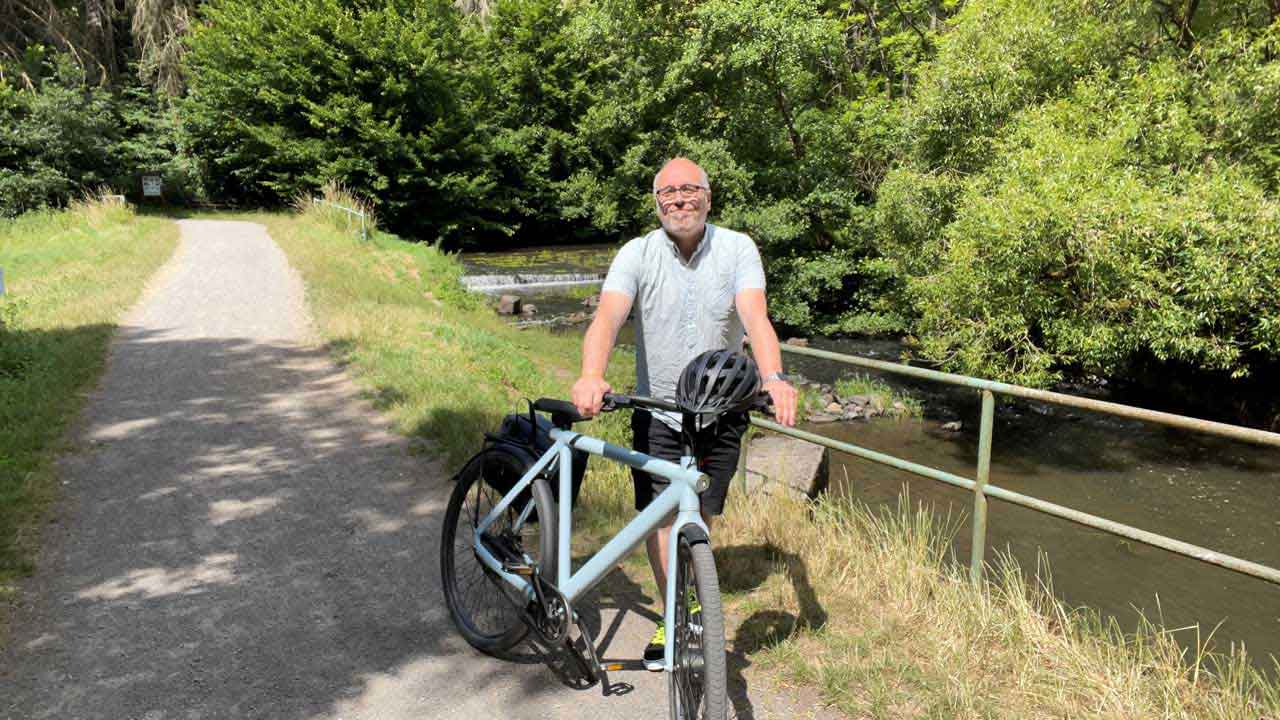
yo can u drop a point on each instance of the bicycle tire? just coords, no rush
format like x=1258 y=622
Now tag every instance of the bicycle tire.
x=496 y=625
x=698 y=684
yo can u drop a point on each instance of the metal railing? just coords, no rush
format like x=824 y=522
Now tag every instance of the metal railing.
x=364 y=234
x=982 y=489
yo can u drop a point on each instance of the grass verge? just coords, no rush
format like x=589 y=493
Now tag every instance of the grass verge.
x=69 y=275
x=862 y=607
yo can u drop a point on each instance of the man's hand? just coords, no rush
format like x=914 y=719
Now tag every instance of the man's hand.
x=588 y=394
x=784 y=401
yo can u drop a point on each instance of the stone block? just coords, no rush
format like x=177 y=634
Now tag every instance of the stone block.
x=781 y=464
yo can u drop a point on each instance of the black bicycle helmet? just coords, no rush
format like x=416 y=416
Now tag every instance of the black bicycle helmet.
x=718 y=381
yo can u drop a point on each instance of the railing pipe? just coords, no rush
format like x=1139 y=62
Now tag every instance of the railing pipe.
x=883 y=459
x=1235 y=432
x=1212 y=557
x=364 y=235
x=977 y=554
x=1098 y=523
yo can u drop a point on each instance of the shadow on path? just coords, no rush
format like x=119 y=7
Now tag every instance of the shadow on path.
x=239 y=540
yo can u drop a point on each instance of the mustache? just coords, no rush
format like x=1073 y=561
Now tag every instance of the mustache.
x=677 y=205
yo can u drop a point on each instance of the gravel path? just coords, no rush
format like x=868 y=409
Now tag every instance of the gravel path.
x=242 y=538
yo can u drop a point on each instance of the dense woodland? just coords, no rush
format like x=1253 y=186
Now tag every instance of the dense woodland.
x=1033 y=190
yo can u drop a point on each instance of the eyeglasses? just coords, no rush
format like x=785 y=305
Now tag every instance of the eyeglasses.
x=670 y=192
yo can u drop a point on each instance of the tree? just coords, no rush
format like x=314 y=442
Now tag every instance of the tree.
x=287 y=95
x=158 y=28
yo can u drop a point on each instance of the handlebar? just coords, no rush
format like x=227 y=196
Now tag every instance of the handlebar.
x=618 y=401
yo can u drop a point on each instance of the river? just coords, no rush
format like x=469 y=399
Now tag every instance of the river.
x=1215 y=493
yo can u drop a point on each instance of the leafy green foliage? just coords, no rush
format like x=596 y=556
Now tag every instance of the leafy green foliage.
x=1031 y=189
x=65 y=139
x=1086 y=194
x=373 y=97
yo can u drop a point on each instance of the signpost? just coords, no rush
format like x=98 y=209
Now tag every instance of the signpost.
x=151 y=186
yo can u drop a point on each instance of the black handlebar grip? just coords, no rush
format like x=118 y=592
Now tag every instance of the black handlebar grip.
x=614 y=401
x=763 y=403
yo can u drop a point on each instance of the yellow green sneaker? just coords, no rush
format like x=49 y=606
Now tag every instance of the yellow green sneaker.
x=655 y=651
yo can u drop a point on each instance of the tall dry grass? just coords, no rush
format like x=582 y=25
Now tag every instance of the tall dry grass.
x=333 y=196
x=903 y=633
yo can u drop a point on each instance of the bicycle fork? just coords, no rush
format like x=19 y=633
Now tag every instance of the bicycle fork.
x=688 y=514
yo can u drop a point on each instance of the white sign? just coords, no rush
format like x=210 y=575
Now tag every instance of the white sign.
x=151 y=186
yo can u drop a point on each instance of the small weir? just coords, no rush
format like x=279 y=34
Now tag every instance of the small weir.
x=529 y=281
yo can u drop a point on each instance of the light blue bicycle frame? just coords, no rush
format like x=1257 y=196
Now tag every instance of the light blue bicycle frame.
x=681 y=497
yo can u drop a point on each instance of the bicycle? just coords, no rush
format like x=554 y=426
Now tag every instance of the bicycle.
x=520 y=546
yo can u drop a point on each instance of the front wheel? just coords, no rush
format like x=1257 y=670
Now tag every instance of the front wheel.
x=485 y=608
x=698 y=681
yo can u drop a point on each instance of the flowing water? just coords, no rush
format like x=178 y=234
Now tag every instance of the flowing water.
x=1215 y=493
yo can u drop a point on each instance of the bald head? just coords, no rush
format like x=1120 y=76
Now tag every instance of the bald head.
x=681 y=171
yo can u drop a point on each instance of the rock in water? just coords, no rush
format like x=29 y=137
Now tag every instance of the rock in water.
x=509 y=305
x=529 y=309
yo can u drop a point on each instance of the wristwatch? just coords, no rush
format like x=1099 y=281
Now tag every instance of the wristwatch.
x=775 y=376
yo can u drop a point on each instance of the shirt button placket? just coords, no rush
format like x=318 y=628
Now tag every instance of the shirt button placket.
x=690 y=329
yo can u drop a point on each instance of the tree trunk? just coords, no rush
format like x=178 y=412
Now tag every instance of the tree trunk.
x=1185 y=36
x=101 y=36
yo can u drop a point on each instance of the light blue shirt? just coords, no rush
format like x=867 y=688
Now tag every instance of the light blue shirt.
x=683 y=309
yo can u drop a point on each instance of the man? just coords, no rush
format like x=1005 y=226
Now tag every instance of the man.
x=695 y=287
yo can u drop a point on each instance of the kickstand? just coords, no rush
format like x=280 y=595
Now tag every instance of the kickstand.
x=587 y=666
x=590 y=664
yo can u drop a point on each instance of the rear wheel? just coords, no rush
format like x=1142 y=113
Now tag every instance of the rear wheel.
x=698 y=682
x=485 y=608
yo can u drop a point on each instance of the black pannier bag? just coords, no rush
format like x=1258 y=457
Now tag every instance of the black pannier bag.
x=518 y=436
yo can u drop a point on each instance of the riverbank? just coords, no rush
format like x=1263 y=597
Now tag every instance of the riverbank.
x=68 y=275
x=858 y=608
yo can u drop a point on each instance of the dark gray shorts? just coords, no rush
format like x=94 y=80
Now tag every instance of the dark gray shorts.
x=720 y=446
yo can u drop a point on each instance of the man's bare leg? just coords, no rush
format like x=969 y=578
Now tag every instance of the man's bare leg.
x=656 y=546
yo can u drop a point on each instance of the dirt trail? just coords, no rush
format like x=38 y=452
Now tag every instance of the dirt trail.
x=242 y=538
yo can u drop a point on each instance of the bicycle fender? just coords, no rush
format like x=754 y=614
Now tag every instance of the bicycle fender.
x=694 y=533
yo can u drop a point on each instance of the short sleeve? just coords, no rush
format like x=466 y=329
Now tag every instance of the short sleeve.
x=749 y=274
x=624 y=271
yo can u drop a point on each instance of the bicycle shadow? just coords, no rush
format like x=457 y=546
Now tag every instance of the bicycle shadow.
x=743 y=568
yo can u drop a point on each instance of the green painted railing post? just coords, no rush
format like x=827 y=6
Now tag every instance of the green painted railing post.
x=980 y=488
